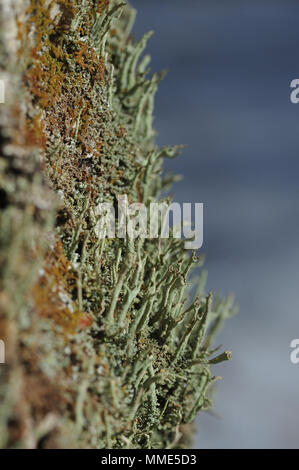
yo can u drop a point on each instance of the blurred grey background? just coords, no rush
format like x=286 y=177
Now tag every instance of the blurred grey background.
x=227 y=95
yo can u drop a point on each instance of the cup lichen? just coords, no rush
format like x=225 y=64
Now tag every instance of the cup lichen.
x=105 y=349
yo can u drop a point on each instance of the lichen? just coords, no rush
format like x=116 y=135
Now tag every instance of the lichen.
x=109 y=325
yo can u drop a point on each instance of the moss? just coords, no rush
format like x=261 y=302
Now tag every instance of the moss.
x=51 y=291
x=118 y=335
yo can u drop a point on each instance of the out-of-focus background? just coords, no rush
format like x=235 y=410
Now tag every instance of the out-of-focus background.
x=227 y=96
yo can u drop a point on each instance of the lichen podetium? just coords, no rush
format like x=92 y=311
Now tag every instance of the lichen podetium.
x=105 y=346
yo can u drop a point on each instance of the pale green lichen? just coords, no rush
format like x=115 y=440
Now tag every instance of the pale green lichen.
x=123 y=347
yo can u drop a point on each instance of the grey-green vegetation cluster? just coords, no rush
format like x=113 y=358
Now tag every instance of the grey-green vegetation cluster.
x=105 y=346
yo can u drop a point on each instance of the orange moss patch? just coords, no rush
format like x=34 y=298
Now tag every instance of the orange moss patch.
x=52 y=291
x=86 y=321
x=103 y=5
x=47 y=62
x=61 y=72
x=34 y=132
